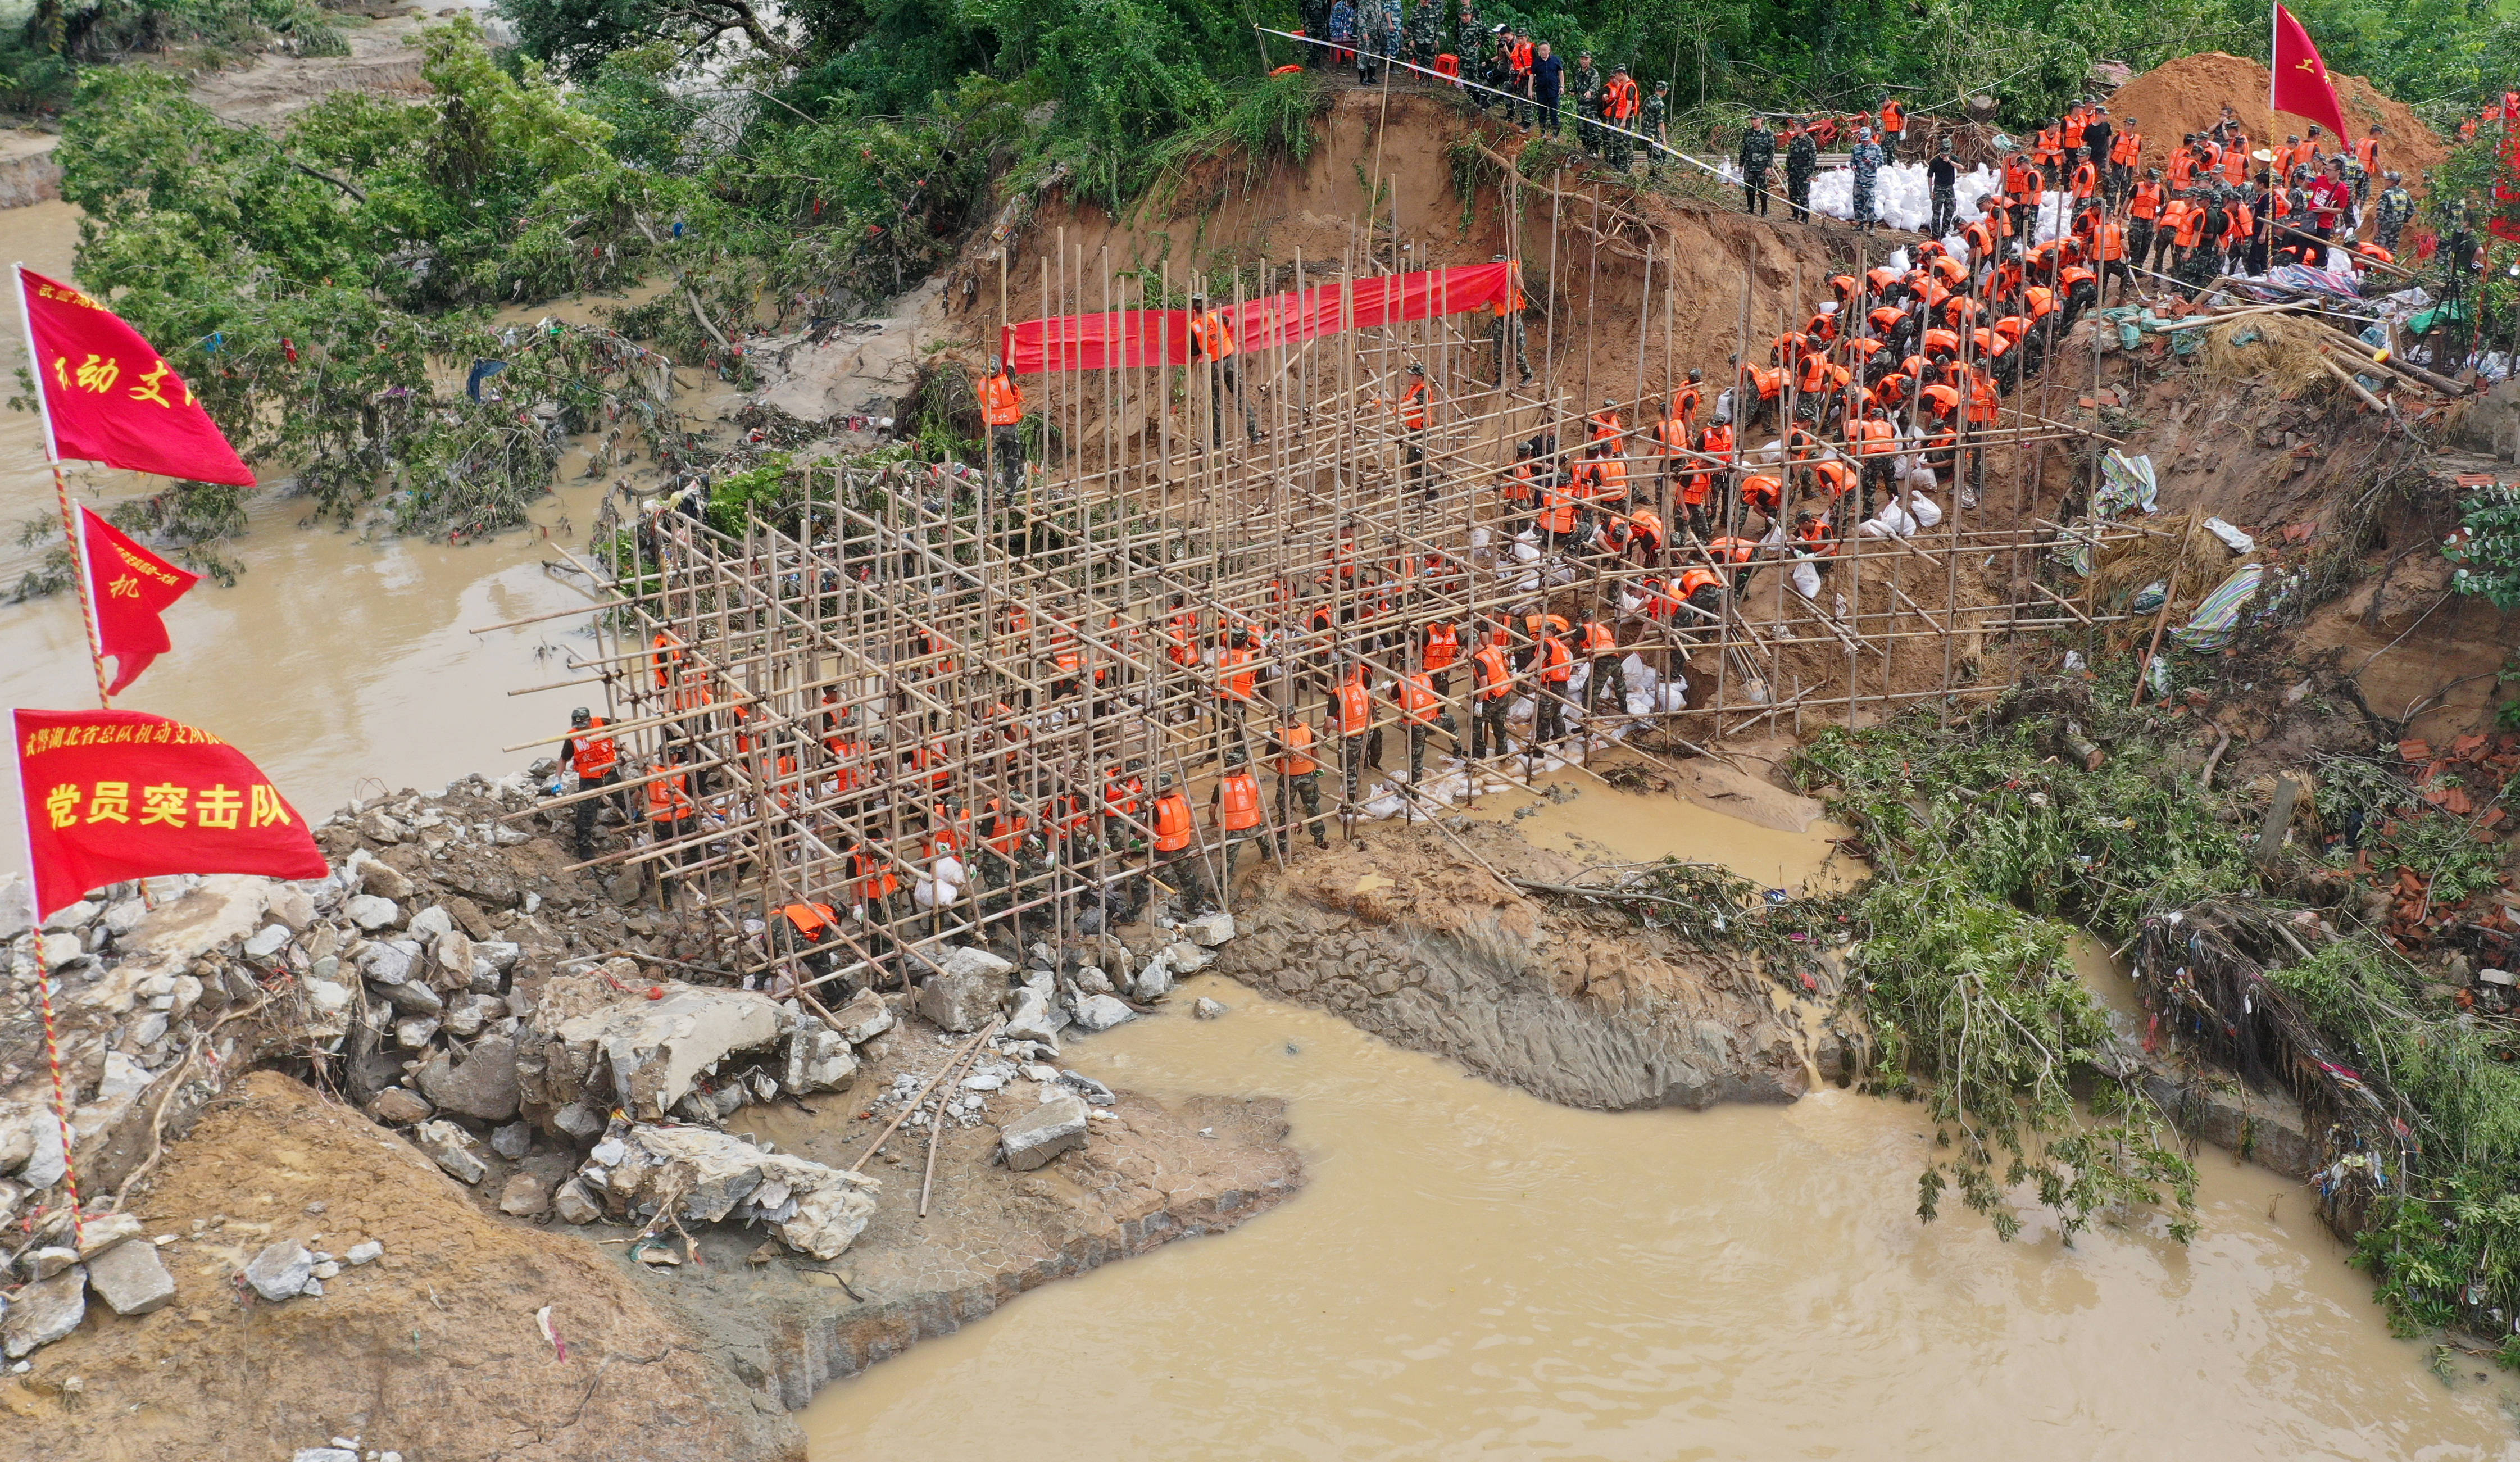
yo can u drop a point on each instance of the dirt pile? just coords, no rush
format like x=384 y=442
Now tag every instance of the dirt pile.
x=1404 y=936
x=433 y=1349
x=2188 y=95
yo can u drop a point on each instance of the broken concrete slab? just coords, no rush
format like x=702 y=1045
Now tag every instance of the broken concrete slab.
x=131 y=1278
x=1033 y=1139
x=226 y=908
x=819 y=1059
x=708 y=1175
x=649 y=1053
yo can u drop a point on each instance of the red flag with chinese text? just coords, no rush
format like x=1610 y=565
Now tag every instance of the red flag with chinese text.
x=108 y=399
x=127 y=588
x=115 y=795
x=2299 y=83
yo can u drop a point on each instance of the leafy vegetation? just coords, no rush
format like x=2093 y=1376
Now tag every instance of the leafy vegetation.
x=2487 y=547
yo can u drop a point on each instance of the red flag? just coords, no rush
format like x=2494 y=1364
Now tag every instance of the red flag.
x=2299 y=82
x=108 y=399
x=127 y=588
x=114 y=795
x=1147 y=338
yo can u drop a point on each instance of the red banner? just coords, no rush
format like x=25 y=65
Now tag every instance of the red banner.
x=2299 y=83
x=1154 y=338
x=115 y=795
x=108 y=399
x=127 y=588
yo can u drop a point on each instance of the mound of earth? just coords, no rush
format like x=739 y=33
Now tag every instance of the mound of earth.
x=2188 y=94
x=432 y=1350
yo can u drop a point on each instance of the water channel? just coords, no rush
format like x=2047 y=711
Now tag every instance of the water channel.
x=1470 y=1271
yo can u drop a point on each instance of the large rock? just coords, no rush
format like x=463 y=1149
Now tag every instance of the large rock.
x=1098 y=1013
x=1043 y=1133
x=864 y=1019
x=709 y=1176
x=371 y=912
x=451 y=1148
x=399 y=1107
x=961 y=1000
x=974 y=961
x=131 y=1278
x=106 y=1230
x=1210 y=929
x=818 y=1059
x=226 y=908
x=383 y=880
x=16 y=906
x=574 y=1203
x=1033 y=1019
x=484 y=1086
x=281 y=1271
x=640 y=1054
x=524 y=1196
x=44 y=1311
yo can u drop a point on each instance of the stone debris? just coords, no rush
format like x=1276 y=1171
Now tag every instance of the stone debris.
x=280 y=1272
x=962 y=999
x=1033 y=1139
x=524 y=1196
x=644 y=1055
x=47 y=1261
x=130 y=1278
x=396 y=1107
x=366 y=1253
x=1206 y=1009
x=483 y=1085
x=1210 y=929
x=708 y=1176
x=44 y=1311
x=453 y=1149
x=1100 y=1013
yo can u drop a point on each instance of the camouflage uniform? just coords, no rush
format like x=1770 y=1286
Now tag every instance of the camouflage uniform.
x=1585 y=82
x=1469 y=40
x=2397 y=208
x=1867 y=161
x=1651 y=121
x=1802 y=159
x=1424 y=21
x=1758 y=156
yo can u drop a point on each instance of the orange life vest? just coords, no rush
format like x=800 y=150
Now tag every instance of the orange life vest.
x=1173 y=824
x=1495 y=675
x=1001 y=404
x=1295 y=760
x=1355 y=707
x=667 y=799
x=1239 y=796
x=1443 y=646
x=596 y=754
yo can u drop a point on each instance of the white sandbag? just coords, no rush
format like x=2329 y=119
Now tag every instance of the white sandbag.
x=1640 y=677
x=1674 y=696
x=1806 y=581
x=1927 y=511
x=1522 y=710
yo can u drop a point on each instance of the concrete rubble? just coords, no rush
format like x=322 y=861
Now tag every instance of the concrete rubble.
x=708 y=1176
x=465 y=990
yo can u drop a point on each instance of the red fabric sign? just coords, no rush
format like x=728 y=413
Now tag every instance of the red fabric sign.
x=1154 y=338
x=127 y=588
x=2299 y=84
x=115 y=795
x=108 y=399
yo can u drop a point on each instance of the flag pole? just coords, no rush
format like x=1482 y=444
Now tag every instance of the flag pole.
x=2275 y=48
x=62 y=492
x=44 y=983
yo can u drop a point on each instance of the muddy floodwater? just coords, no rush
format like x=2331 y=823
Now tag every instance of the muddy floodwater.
x=1471 y=1271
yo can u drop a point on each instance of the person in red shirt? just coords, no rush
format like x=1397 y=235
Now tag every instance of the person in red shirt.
x=2330 y=197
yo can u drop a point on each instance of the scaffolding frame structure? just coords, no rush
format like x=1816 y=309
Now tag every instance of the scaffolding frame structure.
x=914 y=666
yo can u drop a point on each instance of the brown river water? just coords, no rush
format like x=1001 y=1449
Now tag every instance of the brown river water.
x=1470 y=1271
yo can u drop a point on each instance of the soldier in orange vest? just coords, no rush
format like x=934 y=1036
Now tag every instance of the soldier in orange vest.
x=1507 y=327
x=1352 y=716
x=1411 y=407
x=1001 y=407
x=597 y=761
x=1422 y=710
x=1299 y=777
x=1211 y=343
x=1490 y=697
x=1174 y=859
x=671 y=814
x=1551 y=665
x=1608 y=678
x=1235 y=801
